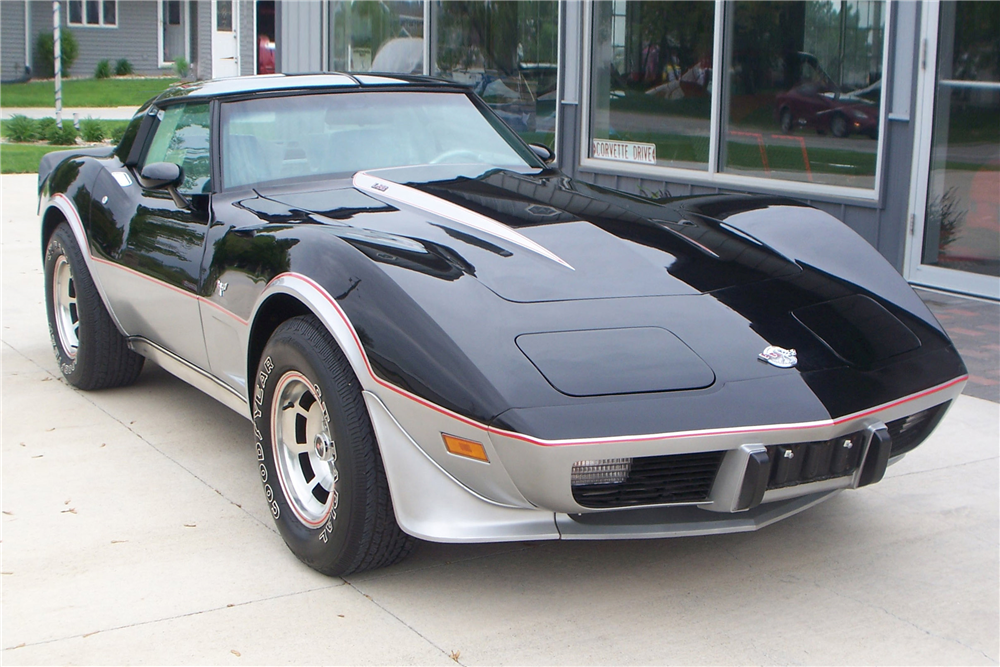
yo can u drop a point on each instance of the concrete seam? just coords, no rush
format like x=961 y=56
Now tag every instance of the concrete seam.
x=172 y=618
x=405 y=624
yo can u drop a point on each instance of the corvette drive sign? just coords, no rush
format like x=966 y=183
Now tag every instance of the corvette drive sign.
x=624 y=151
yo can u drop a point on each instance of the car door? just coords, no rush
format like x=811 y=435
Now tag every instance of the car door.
x=155 y=295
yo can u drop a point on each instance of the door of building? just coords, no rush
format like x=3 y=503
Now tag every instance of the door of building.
x=955 y=203
x=225 y=40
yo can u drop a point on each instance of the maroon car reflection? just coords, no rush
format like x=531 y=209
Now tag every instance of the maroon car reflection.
x=817 y=101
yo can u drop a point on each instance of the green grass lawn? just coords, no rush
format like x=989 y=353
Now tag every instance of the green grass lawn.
x=115 y=92
x=23 y=158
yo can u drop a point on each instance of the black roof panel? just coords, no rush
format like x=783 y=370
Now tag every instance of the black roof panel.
x=288 y=82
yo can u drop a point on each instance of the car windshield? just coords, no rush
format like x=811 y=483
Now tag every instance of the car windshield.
x=312 y=136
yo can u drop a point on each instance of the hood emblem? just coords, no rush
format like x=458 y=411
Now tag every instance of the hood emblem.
x=381 y=187
x=778 y=356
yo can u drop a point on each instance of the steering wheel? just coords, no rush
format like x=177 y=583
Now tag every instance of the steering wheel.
x=447 y=155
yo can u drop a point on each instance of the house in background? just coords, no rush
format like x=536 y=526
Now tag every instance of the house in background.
x=215 y=37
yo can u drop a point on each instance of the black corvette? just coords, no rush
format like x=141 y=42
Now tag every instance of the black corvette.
x=436 y=335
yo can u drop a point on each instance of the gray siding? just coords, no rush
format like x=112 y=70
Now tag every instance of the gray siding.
x=248 y=40
x=134 y=38
x=300 y=36
x=202 y=44
x=12 y=31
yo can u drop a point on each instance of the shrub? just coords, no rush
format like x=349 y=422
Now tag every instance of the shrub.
x=47 y=57
x=117 y=132
x=21 y=128
x=123 y=67
x=92 y=130
x=103 y=70
x=62 y=136
x=44 y=127
x=182 y=67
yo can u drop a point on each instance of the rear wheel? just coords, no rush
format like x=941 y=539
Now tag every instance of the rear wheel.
x=91 y=352
x=319 y=461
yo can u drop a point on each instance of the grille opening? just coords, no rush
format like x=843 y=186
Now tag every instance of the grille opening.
x=908 y=432
x=647 y=480
x=805 y=462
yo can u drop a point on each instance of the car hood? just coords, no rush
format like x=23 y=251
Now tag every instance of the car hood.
x=533 y=237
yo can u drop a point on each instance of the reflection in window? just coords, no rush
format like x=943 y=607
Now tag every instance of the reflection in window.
x=804 y=92
x=182 y=137
x=962 y=222
x=508 y=53
x=369 y=36
x=652 y=74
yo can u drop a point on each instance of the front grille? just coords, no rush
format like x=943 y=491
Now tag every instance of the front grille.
x=909 y=432
x=650 y=480
x=805 y=462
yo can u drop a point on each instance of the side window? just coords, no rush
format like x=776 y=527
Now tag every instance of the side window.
x=182 y=137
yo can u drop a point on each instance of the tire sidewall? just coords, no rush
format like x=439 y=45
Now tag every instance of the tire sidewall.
x=57 y=247
x=332 y=545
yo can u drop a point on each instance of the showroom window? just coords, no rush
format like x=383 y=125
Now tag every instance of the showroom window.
x=798 y=98
x=93 y=13
x=508 y=53
x=652 y=82
x=370 y=36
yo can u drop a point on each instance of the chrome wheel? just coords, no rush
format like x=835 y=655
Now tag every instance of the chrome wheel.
x=67 y=315
x=304 y=449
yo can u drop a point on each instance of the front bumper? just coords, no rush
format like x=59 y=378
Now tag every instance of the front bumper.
x=525 y=491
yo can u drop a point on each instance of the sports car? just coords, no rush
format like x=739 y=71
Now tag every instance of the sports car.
x=438 y=335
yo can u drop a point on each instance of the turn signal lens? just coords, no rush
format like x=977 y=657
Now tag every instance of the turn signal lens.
x=470 y=449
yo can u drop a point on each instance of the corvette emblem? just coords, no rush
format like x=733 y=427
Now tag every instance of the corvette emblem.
x=221 y=287
x=778 y=356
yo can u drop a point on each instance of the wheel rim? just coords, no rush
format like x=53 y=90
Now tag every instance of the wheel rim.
x=65 y=308
x=305 y=454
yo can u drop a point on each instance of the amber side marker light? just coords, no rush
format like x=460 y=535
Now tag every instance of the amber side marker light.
x=470 y=449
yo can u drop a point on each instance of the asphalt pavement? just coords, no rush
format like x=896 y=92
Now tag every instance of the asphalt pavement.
x=135 y=531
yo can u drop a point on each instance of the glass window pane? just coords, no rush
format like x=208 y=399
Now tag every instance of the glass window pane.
x=651 y=80
x=962 y=221
x=182 y=137
x=173 y=8
x=508 y=53
x=93 y=12
x=370 y=36
x=269 y=139
x=76 y=11
x=110 y=12
x=224 y=16
x=805 y=91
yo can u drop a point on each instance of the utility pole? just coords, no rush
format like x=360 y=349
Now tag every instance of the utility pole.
x=57 y=58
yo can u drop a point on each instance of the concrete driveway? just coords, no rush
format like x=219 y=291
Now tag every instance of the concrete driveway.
x=135 y=531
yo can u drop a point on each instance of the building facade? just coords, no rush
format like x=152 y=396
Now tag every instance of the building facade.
x=215 y=38
x=884 y=113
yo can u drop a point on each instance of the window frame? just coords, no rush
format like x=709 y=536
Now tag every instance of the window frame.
x=83 y=15
x=714 y=176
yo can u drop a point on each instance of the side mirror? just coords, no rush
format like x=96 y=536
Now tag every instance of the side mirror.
x=160 y=175
x=543 y=152
x=165 y=175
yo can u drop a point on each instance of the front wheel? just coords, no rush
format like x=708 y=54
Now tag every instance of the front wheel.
x=838 y=126
x=319 y=462
x=786 y=121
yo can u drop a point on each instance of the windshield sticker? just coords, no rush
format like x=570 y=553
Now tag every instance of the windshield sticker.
x=623 y=151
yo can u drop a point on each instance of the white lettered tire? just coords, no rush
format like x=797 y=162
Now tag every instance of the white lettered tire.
x=318 y=458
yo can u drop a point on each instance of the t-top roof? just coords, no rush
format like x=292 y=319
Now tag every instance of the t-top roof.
x=289 y=82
